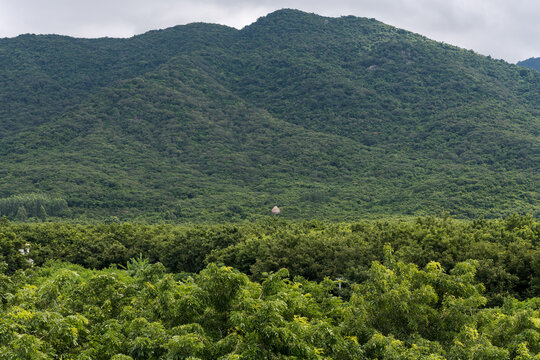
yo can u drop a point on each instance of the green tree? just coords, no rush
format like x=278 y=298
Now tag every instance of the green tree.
x=21 y=215
x=42 y=214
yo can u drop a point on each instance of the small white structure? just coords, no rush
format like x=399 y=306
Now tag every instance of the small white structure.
x=275 y=210
x=25 y=252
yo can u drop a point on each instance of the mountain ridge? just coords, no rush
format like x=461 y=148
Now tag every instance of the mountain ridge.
x=531 y=63
x=210 y=123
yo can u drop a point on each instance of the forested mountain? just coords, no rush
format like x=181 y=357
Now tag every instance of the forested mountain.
x=326 y=117
x=532 y=63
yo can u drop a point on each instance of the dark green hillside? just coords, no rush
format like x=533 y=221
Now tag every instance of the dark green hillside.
x=44 y=75
x=334 y=118
x=415 y=94
x=532 y=63
x=218 y=147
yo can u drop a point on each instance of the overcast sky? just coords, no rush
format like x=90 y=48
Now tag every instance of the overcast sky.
x=504 y=29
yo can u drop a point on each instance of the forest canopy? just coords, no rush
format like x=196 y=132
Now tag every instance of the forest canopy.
x=328 y=118
x=432 y=288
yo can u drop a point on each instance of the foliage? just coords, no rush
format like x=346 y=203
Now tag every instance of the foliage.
x=39 y=206
x=400 y=312
x=329 y=118
x=507 y=251
x=314 y=290
x=532 y=63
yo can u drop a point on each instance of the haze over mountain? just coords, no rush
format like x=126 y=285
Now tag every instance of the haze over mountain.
x=325 y=117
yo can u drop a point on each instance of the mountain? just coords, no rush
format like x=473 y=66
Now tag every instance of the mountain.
x=325 y=117
x=532 y=63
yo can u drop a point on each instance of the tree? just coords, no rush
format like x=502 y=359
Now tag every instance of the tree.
x=22 y=215
x=42 y=214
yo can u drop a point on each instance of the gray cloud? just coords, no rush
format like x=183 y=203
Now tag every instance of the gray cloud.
x=499 y=28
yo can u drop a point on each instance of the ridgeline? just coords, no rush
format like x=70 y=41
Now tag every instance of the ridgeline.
x=532 y=63
x=334 y=118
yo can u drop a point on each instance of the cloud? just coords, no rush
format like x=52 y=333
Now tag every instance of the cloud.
x=499 y=28
x=118 y=18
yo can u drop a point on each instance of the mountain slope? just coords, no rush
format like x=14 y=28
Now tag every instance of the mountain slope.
x=335 y=118
x=43 y=75
x=532 y=63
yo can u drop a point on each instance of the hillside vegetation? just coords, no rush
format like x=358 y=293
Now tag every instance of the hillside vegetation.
x=330 y=118
x=430 y=288
x=532 y=63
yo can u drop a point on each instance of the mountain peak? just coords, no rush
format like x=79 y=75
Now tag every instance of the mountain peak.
x=288 y=18
x=331 y=117
x=531 y=63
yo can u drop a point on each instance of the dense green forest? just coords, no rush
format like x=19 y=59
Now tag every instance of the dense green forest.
x=532 y=63
x=137 y=177
x=329 y=118
x=428 y=288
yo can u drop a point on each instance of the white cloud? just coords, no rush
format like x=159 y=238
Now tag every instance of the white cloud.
x=500 y=28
